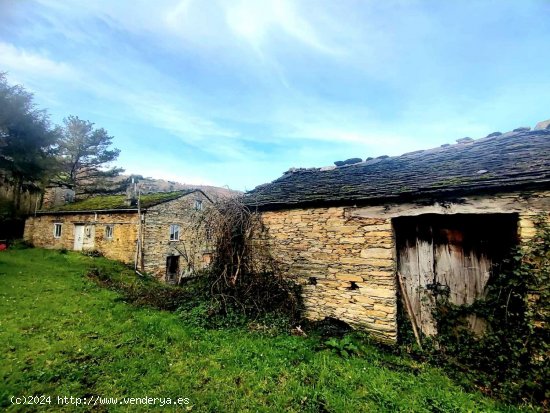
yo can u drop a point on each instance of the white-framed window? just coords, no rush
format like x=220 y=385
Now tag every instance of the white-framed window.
x=109 y=231
x=57 y=230
x=198 y=204
x=174 y=232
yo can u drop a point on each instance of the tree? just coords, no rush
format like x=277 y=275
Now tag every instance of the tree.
x=85 y=154
x=27 y=141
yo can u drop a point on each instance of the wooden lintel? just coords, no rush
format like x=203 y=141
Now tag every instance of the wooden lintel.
x=470 y=205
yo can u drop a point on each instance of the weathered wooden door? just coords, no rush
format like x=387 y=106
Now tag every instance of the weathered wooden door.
x=450 y=254
x=78 y=237
x=416 y=269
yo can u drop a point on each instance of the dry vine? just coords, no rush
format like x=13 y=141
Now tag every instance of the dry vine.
x=242 y=274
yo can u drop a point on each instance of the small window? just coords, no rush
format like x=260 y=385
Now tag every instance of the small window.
x=57 y=230
x=109 y=231
x=198 y=204
x=174 y=232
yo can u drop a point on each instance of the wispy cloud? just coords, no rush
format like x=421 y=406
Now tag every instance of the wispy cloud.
x=255 y=21
x=34 y=65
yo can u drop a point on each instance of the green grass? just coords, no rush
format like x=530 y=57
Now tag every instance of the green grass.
x=62 y=334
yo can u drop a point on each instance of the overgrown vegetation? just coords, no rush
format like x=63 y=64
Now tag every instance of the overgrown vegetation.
x=63 y=334
x=243 y=277
x=510 y=360
x=142 y=291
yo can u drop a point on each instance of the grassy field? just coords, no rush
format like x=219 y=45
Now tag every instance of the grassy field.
x=63 y=335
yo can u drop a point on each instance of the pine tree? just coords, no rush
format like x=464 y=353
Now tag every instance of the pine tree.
x=85 y=154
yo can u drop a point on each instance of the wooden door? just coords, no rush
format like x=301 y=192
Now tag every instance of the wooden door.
x=78 y=237
x=454 y=255
x=416 y=270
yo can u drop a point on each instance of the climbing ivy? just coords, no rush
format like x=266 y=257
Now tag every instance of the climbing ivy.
x=510 y=359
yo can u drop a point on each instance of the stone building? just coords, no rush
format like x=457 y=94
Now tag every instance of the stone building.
x=157 y=235
x=366 y=236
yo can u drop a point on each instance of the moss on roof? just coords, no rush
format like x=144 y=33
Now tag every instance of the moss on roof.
x=513 y=160
x=103 y=202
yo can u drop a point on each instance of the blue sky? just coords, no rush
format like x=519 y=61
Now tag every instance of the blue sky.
x=236 y=92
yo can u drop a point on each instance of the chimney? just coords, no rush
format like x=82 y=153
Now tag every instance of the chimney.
x=463 y=141
x=131 y=194
x=545 y=124
x=349 y=161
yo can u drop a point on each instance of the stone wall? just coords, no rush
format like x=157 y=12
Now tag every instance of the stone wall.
x=344 y=257
x=122 y=246
x=192 y=247
x=345 y=265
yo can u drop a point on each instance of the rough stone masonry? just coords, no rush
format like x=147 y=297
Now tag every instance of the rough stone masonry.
x=346 y=265
x=344 y=257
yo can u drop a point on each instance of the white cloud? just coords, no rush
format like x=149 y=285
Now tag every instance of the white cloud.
x=31 y=64
x=165 y=112
x=214 y=25
x=255 y=21
x=162 y=110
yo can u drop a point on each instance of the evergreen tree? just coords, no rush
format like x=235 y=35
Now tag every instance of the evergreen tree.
x=27 y=141
x=85 y=154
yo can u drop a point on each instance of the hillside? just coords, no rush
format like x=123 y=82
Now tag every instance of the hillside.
x=150 y=185
x=56 y=196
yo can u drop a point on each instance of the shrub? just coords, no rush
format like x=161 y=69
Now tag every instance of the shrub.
x=92 y=253
x=345 y=347
x=21 y=244
x=243 y=276
x=510 y=358
x=144 y=292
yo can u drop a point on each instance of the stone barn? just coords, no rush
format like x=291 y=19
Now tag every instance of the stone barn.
x=359 y=235
x=157 y=233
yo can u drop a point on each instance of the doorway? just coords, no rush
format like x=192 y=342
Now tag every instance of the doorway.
x=84 y=237
x=455 y=255
x=78 y=237
x=172 y=267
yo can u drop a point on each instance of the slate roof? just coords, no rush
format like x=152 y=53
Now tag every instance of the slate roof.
x=117 y=202
x=514 y=160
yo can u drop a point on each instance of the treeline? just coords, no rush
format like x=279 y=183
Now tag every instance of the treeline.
x=34 y=153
